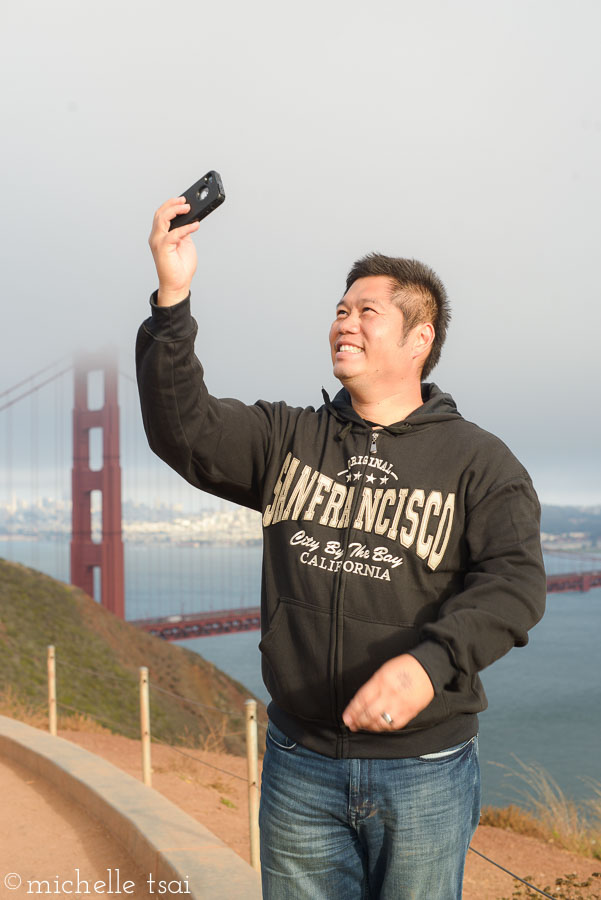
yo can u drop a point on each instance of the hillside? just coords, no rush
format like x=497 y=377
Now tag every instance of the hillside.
x=569 y=521
x=36 y=610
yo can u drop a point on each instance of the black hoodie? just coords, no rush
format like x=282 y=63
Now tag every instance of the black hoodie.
x=421 y=537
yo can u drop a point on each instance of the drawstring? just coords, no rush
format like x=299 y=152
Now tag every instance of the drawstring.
x=348 y=424
x=398 y=429
x=340 y=435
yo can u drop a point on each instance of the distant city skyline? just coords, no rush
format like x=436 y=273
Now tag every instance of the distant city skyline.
x=148 y=521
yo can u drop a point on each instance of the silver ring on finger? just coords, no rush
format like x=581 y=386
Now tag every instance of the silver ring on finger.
x=387 y=718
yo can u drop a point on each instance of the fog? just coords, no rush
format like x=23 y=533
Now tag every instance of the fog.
x=466 y=134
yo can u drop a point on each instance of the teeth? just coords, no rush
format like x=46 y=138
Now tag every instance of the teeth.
x=349 y=348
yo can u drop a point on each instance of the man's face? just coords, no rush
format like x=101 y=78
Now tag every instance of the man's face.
x=367 y=340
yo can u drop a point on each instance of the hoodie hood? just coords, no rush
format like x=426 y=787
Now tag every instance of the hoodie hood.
x=437 y=407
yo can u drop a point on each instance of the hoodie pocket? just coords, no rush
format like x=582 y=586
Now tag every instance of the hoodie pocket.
x=295 y=659
x=367 y=646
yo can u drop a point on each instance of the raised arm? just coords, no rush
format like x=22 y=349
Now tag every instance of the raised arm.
x=220 y=446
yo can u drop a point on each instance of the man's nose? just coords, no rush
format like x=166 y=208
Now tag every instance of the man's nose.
x=350 y=323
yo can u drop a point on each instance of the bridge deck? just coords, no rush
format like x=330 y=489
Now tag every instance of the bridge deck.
x=228 y=621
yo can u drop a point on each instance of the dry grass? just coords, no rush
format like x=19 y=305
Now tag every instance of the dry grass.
x=566 y=888
x=14 y=707
x=514 y=818
x=81 y=722
x=553 y=816
x=185 y=768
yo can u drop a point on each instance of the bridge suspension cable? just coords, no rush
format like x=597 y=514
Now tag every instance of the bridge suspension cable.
x=34 y=389
x=31 y=377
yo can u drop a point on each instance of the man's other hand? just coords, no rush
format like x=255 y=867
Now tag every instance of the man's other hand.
x=174 y=252
x=401 y=688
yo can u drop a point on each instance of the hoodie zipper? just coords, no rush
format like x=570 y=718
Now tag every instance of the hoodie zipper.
x=340 y=596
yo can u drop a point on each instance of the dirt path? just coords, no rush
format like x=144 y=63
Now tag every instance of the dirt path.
x=44 y=836
x=214 y=792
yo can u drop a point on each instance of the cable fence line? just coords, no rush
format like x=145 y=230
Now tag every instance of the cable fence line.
x=155 y=740
x=250 y=713
x=207 y=718
x=202 y=762
x=155 y=687
x=124 y=680
x=101 y=675
x=117 y=725
x=517 y=877
x=226 y=712
x=251 y=747
x=99 y=719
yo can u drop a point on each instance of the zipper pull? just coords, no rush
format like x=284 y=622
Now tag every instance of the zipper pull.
x=373 y=448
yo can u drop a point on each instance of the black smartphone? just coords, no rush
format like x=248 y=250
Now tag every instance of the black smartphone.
x=203 y=197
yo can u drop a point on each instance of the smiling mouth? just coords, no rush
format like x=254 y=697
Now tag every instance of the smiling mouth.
x=348 y=348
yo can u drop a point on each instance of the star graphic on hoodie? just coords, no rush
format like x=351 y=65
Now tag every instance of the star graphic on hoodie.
x=357 y=475
x=384 y=479
x=371 y=478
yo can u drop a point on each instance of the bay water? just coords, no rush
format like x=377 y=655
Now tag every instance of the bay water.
x=544 y=699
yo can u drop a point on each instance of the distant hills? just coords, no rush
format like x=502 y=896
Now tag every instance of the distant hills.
x=51 y=520
x=98 y=661
x=579 y=526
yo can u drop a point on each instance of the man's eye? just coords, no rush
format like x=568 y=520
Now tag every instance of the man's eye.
x=340 y=312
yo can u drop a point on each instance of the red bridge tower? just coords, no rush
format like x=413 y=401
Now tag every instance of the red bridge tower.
x=86 y=554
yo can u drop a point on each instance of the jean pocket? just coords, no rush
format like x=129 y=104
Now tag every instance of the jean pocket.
x=278 y=737
x=449 y=752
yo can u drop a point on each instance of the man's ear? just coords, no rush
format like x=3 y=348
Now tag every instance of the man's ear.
x=423 y=337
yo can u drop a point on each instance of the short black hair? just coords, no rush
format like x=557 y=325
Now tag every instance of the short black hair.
x=420 y=295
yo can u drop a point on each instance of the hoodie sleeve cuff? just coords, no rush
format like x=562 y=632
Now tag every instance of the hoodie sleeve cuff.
x=170 y=323
x=436 y=661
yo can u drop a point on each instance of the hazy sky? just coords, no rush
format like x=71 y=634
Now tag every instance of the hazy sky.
x=466 y=134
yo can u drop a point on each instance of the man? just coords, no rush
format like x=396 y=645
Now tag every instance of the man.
x=401 y=557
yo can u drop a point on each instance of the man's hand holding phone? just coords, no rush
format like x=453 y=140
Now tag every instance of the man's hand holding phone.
x=173 y=251
x=170 y=239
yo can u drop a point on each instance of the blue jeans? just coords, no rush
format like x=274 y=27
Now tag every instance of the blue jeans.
x=352 y=829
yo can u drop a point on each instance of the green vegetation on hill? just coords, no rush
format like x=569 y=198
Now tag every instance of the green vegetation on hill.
x=97 y=668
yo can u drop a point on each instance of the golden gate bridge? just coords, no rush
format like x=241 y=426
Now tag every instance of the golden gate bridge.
x=102 y=553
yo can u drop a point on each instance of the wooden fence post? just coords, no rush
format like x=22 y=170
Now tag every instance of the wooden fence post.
x=252 y=758
x=145 y=726
x=51 y=691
